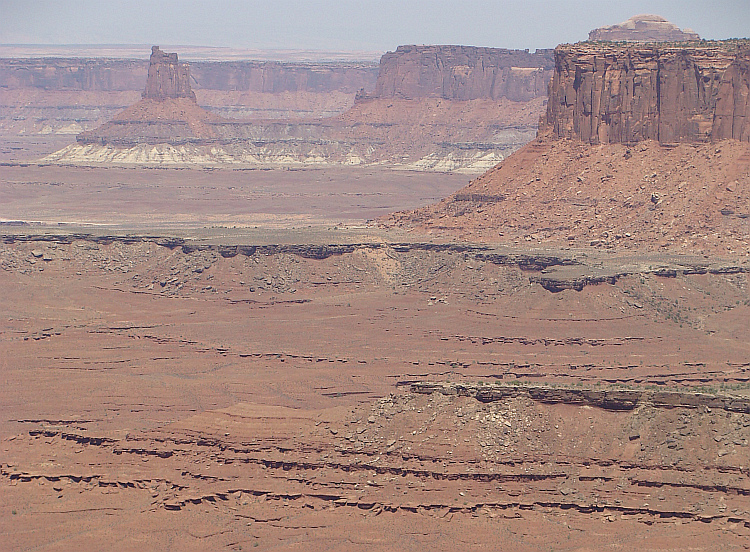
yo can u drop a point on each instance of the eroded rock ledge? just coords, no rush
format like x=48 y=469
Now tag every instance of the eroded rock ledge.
x=608 y=399
x=554 y=270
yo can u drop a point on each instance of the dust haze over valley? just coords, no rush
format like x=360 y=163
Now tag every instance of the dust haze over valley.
x=346 y=276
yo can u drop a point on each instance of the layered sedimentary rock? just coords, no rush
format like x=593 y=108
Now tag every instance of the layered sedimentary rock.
x=644 y=28
x=628 y=93
x=63 y=74
x=463 y=73
x=64 y=96
x=471 y=131
x=150 y=121
x=431 y=134
x=276 y=77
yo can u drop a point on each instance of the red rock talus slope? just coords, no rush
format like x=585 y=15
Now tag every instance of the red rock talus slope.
x=604 y=93
x=150 y=121
x=644 y=28
x=463 y=73
x=692 y=197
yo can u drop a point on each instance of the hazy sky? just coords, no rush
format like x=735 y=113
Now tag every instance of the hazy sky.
x=348 y=25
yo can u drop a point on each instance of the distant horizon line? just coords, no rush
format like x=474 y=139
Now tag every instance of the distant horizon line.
x=187 y=52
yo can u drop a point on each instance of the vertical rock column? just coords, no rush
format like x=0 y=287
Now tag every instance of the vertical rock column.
x=167 y=77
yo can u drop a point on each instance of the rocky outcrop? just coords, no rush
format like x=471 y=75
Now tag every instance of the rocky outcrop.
x=167 y=127
x=463 y=73
x=608 y=399
x=167 y=77
x=167 y=113
x=644 y=28
x=628 y=93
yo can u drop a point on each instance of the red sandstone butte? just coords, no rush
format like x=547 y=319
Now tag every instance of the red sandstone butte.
x=167 y=77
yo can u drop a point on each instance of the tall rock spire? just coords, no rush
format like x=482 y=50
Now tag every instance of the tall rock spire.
x=167 y=77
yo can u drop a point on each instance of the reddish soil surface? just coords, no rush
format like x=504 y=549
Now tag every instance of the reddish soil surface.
x=169 y=381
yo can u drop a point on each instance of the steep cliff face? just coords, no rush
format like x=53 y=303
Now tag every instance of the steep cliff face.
x=167 y=77
x=275 y=77
x=628 y=93
x=64 y=74
x=732 y=114
x=463 y=73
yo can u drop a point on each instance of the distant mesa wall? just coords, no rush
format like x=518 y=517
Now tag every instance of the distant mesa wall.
x=411 y=72
x=167 y=77
x=276 y=77
x=463 y=73
x=69 y=74
x=117 y=75
x=618 y=93
x=68 y=94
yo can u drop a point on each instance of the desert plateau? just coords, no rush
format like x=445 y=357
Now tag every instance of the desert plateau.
x=463 y=298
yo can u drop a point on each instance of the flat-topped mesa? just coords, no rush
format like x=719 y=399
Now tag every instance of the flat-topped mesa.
x=462 y=73
x=625 y=93
x=167 y=77
x=644 y=28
